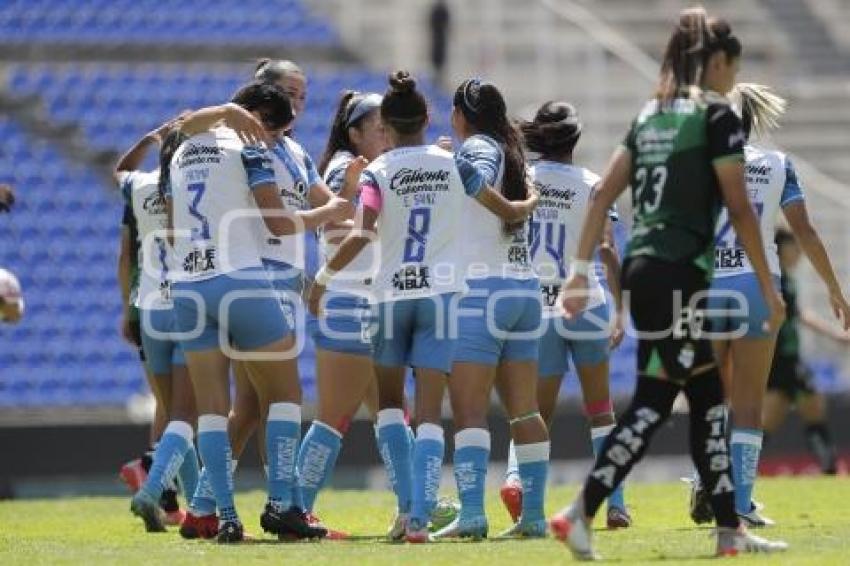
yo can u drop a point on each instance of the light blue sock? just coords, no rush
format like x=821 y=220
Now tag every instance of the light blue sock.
x=428 y=451
x=168 y=457
x=188 y=473
x=395 y=448
x=214 y=446
x=745 y=448
x=598 y=435
x=472 y=453
x=533 y=464
x=316 y=461
x=512 y=471
x=203 y=500
x=283 y=431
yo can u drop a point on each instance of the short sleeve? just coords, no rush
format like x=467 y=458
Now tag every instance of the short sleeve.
x=335 y=179
x=258 y=166
x=370 y=191
x=791 y=192
x=725 y=134
x=473 y=180
x=125 y=185
x=485 y=155
x=313 y=177
x=127 y=218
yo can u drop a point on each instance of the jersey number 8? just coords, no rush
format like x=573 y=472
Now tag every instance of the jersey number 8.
x=417 y=235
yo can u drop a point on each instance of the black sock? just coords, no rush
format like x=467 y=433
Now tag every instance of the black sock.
x=709 y=445
x=820 y=444
x=627 y=443
x=168 y=501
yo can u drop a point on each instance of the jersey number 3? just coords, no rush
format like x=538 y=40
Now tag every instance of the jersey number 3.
x=417 y=235
x=653 y=179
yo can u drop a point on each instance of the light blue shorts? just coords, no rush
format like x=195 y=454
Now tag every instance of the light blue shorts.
x=585 y=339
x=514 y=310
x=414 y=332
x=161 y=352
x=749 y=302
x=288 y=281
x=344 y=326
x=251 y=321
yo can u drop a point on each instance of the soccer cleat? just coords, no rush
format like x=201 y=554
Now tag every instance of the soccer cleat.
x=731 y=542
x=133 y=474
x=316 y=523
x=618 y=518
x=230 y=532
x=445 y=511
x=289 y=524
x=199 y=526
x=700 y=503
x=174 y=518
x=475 y=528
x=144 y=506
x=398 y=529
x=416 y=532
x=533 y=529
x=573 y=529
x=754 y=519
x=511 y=494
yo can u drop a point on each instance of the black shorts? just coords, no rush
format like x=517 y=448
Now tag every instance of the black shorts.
x=667 y=302
x=790 y=377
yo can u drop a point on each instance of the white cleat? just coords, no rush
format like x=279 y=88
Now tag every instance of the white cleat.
x=755 y=520
x=731 y=542
x=573 y=529
x=398 y=529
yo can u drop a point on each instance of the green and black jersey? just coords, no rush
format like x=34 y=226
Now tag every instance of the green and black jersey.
x=788 y=341
x=675 y=193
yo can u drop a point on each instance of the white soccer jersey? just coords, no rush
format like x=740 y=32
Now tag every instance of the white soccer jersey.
x=420 y=227
x=217 y=223
x=295 y=175
x=357 y=274
x=565 y=192
x=490 y=251
x=771 y=186
x=155 y=257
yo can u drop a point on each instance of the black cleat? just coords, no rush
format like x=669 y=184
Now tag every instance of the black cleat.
x=290 y=524
x=230 y=532
x=147 y=509
x=700 y=505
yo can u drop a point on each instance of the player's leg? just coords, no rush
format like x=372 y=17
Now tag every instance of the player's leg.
x=776 y=408
x=811 y=406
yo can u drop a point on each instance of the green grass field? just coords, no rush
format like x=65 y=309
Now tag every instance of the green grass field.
x=811 y=512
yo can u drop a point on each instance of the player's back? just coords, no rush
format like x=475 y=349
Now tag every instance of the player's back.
x=216 y=221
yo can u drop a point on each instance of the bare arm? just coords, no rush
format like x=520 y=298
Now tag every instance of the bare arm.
x=730 y=175
x=823 y=327
x=247 y=127
x=281 y=222
x=133 y=158
x=811 y=244
x=125 y=262
x=509 y=211
x=611 y=260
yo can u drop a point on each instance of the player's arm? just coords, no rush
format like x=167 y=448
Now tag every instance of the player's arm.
x=350 y=247
x=348 y=188
x=478 y=181
x=818 y=324
x=611 y=260
x=812 y=245
x=249 y=129
x=614 y=181
x=134 y=157
x=125 y=263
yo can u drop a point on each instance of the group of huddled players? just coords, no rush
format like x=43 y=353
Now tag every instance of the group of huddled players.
x=474 y=267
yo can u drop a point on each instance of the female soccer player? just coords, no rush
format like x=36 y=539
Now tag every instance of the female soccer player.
x=499 y=321
x=683 y=157
x=214 y=177
x=344 y=371
x=411 y=200
x=163 y=355
x=744 y=348
x=565 y=193
x=791 y=383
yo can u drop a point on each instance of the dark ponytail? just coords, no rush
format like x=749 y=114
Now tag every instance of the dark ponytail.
x=695 y=39
x=554 y=132
x=170 y=143
x=484 y=108
x=404 y=108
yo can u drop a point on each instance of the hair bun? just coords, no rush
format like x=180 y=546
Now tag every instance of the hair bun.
x=402 y=83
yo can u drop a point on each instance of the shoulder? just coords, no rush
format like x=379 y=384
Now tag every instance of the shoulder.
x=480 y=143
